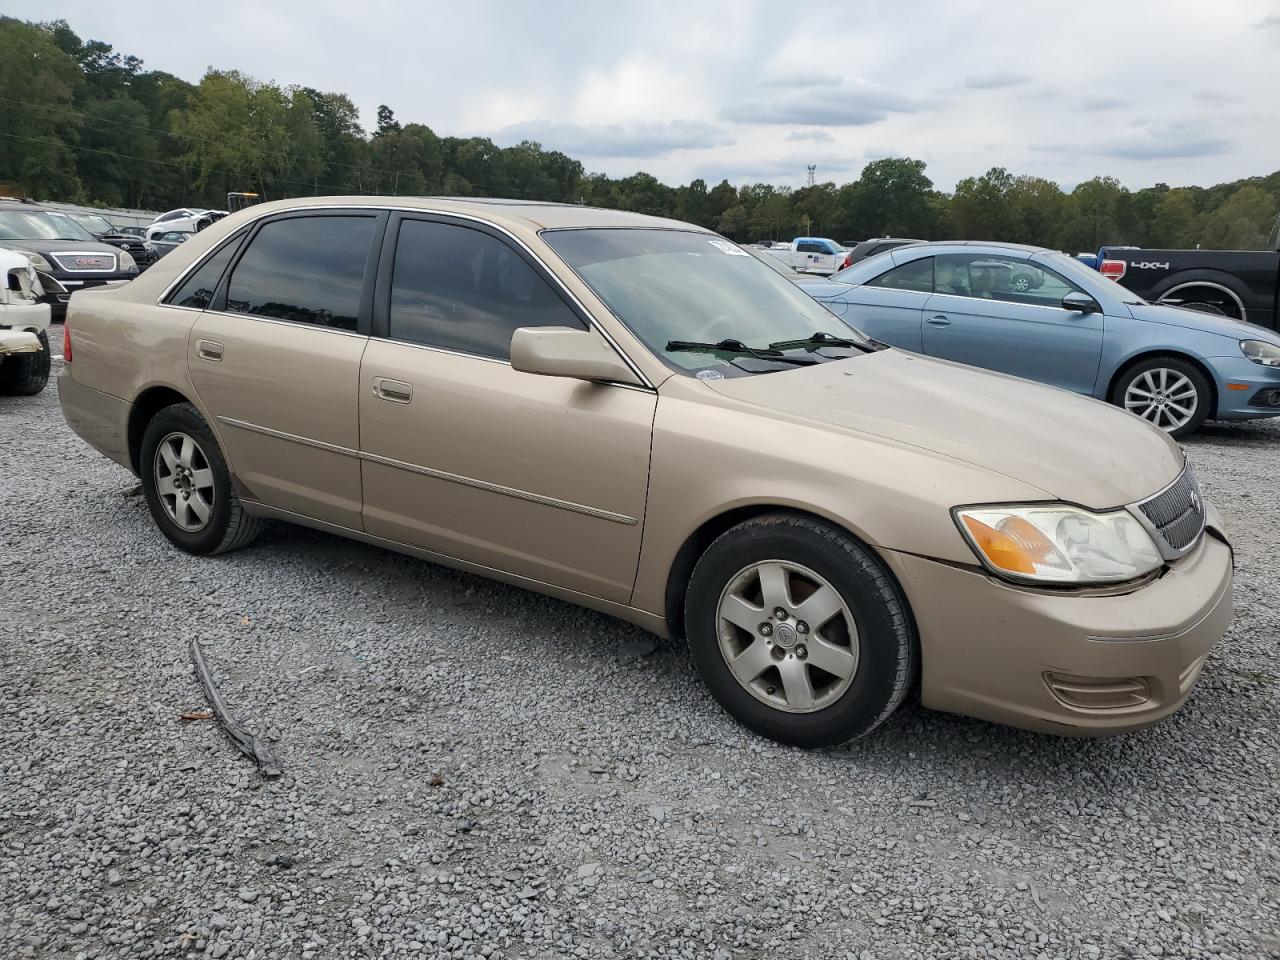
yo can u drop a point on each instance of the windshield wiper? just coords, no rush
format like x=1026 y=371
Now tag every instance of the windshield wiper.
x=819 y=339
x=730 y=345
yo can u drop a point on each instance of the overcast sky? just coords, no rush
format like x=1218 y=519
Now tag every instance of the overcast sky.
x=1179 y=91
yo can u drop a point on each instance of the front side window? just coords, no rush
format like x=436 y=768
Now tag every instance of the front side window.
x=305 y=270
x=671 y=285
x=465 y=290
x=916 y=275
x=1007 y=279
x=198 y=289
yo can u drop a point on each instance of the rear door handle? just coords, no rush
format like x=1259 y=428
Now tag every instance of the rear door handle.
x=209 y=349
x=397 y=391
x=939 y=321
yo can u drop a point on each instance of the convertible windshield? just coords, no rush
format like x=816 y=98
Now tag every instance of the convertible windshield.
x=674 y=286
x=1072 y=268
x=38 y=225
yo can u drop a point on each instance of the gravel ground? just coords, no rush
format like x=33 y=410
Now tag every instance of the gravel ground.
x=472 y=770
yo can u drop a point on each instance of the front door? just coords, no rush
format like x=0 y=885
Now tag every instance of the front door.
x=890 y=306
x=1006 y=314
x=275 y=361
x=541 y=477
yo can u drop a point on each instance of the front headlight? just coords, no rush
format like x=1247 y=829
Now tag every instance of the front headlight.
x=37 y=261
x=127 y=262
x=1057 y=543
x=1259 y=351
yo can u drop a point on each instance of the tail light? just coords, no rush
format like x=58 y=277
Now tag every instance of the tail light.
x=1113 y=269
x=66 y=342
x=848 y=261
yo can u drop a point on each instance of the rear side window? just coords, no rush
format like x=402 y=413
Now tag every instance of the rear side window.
x=916 y=275
x=462 y=289
x=809 y=246
x=305 y=270
x=198 y=289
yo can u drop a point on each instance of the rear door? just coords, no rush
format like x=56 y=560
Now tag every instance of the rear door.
x=541 y=477
x=1005 y=313
x=275 y=359
x=890 y=306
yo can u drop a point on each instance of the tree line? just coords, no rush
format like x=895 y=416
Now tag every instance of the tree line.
x=86 y=123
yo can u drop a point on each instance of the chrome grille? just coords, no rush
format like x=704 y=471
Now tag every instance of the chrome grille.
x=86 y=262
x=1177 y=512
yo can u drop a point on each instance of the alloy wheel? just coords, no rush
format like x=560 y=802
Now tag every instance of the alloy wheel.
x=184 y=481
x=787 y=636
x=1165 y=397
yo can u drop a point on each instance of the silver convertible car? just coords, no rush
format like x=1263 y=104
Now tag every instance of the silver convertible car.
x=1041 y=315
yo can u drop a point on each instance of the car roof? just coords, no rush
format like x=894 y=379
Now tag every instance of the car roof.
x=996 y=244
x=528 y=216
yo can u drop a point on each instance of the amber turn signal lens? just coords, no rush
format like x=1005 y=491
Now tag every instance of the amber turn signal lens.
x=1016 y=546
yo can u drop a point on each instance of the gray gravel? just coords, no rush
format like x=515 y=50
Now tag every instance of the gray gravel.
x=472 y=770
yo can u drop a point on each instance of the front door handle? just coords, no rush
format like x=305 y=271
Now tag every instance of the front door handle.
x=939 y=321
x=397 y=391
x=209 y=349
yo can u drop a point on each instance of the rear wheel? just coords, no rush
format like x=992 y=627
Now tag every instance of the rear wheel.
x=188 y=486
x=1168 y=392
x=799 y=631
x=26 y=374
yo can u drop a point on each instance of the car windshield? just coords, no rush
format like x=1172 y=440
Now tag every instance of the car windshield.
x=93 y=223
x=40 y=225
x=1086 y=277
x=675 y=285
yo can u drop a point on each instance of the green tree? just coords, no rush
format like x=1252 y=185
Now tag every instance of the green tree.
x=1173 y=220
x=38 y=83
x=1243 y=222
x=889 y=198
x=983 y=208
x=1094 y=214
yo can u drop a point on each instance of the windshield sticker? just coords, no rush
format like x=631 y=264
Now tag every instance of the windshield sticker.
x=709 y=375
x=724 y=246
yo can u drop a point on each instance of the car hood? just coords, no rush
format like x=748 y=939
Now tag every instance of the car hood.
x=1071 y=447
x=1199 y=320
x=58 y=246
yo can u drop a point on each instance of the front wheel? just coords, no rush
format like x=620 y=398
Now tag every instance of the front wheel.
x=188 y=486
x=1168 y=392
x=26 y=374
x=799 y=632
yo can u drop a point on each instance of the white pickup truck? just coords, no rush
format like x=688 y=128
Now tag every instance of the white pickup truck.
x=810 y=255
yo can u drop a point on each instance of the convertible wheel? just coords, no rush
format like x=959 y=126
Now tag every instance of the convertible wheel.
x=1168 y=392
x=799 y=632
x=1022 y=284
x=188 y=486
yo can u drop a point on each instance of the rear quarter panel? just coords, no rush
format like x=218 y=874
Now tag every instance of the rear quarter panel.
x=121 y=347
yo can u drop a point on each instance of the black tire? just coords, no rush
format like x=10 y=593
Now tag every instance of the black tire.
x=228 y=527
x=888 y=650
x=26 y=374
x=1204 y=391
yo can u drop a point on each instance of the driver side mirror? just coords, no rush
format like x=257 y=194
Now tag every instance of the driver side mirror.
x=565 y=352
x=1080 y=303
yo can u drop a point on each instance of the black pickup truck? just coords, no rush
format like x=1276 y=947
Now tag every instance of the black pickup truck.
x=1244 y=284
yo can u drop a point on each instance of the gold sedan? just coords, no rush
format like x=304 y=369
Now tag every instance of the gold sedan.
x=634 y=415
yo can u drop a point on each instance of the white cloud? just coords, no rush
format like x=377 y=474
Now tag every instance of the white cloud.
x=739 y=86
x=616 y=139
x=995 y=80
x=816 y=136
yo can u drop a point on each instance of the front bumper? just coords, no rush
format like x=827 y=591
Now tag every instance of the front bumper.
x=1242 y=388
x=1067 y=663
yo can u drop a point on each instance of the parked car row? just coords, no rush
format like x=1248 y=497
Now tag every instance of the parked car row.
x=635 y=415
x=66 y=256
